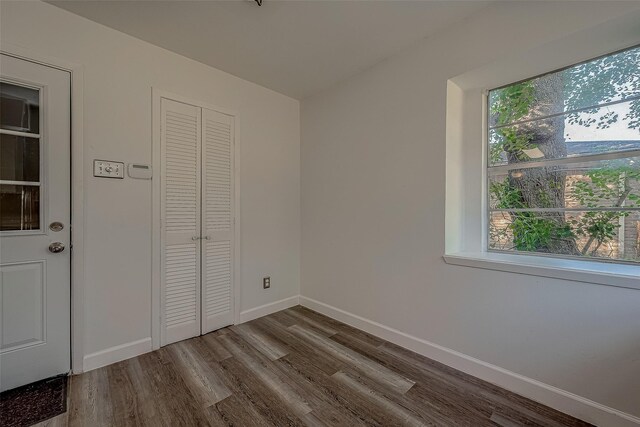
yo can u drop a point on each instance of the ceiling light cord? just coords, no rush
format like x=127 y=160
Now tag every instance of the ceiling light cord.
x=259 y=2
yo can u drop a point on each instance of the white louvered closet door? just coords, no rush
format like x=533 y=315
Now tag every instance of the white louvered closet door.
x=180 y=220
x=218 y=220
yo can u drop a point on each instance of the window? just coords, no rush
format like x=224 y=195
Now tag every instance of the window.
x=564 y=162
x=20 y=169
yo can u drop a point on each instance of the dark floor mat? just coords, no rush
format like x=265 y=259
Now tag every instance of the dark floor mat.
x=32 y=403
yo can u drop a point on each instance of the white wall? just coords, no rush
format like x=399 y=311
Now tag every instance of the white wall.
x=373 y=159
x=373 y=218
x=119 y=72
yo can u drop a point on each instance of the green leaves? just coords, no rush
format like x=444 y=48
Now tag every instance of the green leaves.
x=604 y=80
x=533 y=232
x=509 y=105
x=506 y=196
x=607 y=187
x=512 y=103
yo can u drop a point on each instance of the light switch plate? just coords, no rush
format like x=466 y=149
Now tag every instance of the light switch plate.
x=108 y=169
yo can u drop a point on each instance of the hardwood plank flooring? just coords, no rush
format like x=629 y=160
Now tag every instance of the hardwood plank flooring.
x=292 y=368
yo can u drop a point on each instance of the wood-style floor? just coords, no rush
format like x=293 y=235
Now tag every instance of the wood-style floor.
x=292 y=368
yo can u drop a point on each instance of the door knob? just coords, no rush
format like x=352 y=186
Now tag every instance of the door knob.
x=56 y=226
x=56 y=247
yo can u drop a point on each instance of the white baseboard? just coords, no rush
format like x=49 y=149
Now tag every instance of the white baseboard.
x=116 y=354
x=126 y=351
x=267 y=309
x=554 y=397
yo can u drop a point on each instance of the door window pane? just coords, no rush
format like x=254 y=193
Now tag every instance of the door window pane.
x=19 y=108
x=19 y=207
x=19 y=158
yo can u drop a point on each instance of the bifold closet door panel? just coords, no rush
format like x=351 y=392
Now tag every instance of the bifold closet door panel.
x=180 y=220
x=218 y=220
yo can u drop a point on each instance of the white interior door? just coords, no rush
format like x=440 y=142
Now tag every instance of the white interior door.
x=180 y=138
x=218 y=220
x=35 y=216
x=197 y=220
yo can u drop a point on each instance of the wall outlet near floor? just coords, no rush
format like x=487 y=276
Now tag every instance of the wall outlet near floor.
x=266 y=282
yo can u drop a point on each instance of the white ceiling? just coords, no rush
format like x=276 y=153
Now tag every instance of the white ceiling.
x=294 y=47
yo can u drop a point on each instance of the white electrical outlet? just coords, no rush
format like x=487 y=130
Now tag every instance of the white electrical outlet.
x=107 y=169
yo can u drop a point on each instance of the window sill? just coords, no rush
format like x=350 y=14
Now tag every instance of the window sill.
x=609 y=274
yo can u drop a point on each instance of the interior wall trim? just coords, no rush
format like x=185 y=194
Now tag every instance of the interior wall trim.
x=117 y=353
x=562 y=400
x=125 y=351
x=269 y=308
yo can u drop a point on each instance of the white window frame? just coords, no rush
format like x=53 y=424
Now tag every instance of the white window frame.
x=466 y=158
x=489 y=170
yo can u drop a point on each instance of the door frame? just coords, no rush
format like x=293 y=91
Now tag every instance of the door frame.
x=77 y=284
x=156 y=260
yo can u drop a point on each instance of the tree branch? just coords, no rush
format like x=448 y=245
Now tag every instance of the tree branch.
x=618 y=204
